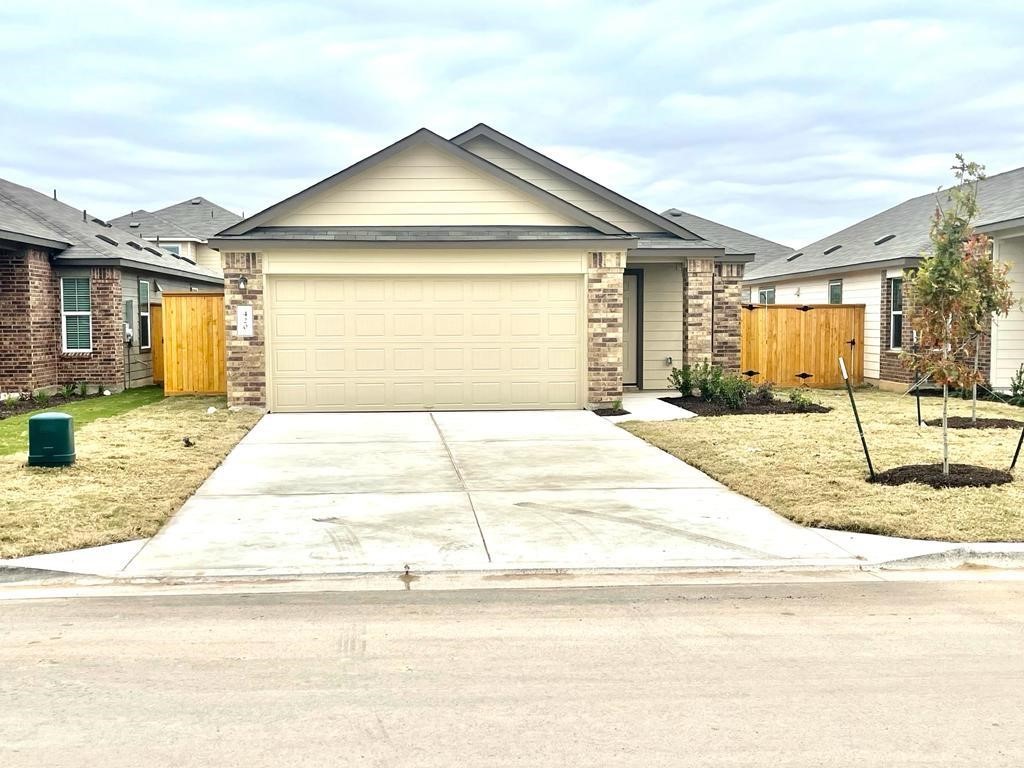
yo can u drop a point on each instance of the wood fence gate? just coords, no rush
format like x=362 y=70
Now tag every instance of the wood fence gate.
x=792 y=344
x=193 y=339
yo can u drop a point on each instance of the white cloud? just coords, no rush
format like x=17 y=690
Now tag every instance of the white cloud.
x=784 y=118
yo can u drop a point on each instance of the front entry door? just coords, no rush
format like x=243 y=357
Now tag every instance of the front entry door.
x=629 y=329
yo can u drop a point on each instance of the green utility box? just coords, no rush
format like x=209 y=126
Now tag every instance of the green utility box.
x=51 y=440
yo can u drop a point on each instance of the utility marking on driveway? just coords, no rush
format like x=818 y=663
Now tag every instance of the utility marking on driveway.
x=465 y=488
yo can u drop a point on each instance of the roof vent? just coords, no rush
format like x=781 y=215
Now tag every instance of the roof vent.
x=884 y=239
x=675 y=212
x=196 y=200
x=831 y=249
x=106 y=239
x=135 y=245
x=133 y=224
x=795 y=256
x=154 y=251
x=101 y=222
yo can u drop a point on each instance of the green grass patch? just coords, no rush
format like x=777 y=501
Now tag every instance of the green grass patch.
x=14 y=430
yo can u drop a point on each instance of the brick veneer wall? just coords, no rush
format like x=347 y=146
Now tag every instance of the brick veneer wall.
x=890 y=367
x=246 y=356
x=698 y=306
x=604 y=327
x=105 y=364
x=726 y=321
x=15 y=332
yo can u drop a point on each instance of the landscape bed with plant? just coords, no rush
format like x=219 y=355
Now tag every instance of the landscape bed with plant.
x=708 y=390
x=13 y=403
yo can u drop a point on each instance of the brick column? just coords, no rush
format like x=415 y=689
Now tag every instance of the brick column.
x=726 y=332
x=604 y=327
x=698 y=308
x=246 y=355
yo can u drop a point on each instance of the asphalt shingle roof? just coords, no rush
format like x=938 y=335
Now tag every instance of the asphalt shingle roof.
x=28 y=212
x=734 y=240
x=193 y=219
x=906 y=227
x=424 y=233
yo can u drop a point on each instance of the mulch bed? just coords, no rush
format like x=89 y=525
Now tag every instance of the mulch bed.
x=960 y=476
x=964 y=422
x=611 y=412
x=23 y=405
x=703 y=408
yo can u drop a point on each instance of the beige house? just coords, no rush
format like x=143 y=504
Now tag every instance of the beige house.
x=184 y=229
x=471 y=273
x=865 y=263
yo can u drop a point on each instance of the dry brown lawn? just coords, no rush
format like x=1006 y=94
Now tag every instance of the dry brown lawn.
x=810 y=467
x=132 y=473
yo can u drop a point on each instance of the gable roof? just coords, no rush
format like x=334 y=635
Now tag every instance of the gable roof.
x=658 y=222
x=194 y=219
x=425 y=136
x=897 y=235
x=735 y=240
x=32 y=217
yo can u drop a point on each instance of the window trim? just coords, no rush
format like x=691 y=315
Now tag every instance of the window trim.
x=839 y=282
x=893 y=312
x=65 y=314
x=144 y=317
x=762 y=291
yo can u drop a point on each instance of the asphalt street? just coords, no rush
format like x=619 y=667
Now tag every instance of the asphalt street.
x=882 y=674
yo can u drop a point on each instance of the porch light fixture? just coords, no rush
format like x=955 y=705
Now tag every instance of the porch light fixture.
x=242 y=283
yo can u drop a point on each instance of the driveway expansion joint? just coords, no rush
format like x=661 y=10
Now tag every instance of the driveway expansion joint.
x=465 y=488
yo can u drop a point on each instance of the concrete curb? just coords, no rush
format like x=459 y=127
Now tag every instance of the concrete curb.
x=958 y=557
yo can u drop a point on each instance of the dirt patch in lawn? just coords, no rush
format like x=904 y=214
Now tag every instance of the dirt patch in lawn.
x=810 y=468
x=965 y=422
x=960 y=476
x=132 y=473
x=752 y=407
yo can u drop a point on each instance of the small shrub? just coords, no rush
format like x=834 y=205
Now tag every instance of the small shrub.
x=707 y=379
x=83 y=388
x=68 y=390
x=681 y=379
x=801 y=400
x=732 y=391
x=763 y=393
x=1017 y=386
x=42 y=397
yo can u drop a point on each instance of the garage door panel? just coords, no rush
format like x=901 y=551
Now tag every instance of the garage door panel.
x=356 y=343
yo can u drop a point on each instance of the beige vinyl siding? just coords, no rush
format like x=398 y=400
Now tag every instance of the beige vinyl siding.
x=419 y=187
x=1008 y=332
x=863 y=287
x=662 y=322
x=425 y=261
x=556 y=185
x=206 y=256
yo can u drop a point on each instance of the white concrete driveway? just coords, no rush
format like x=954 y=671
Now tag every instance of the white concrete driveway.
x=331 y=493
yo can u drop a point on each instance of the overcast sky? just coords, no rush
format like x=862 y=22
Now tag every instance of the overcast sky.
x=786 y=119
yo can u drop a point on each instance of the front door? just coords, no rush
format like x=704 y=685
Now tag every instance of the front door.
x=629 y=329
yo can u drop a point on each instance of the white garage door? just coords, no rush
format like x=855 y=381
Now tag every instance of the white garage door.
x=408 y=343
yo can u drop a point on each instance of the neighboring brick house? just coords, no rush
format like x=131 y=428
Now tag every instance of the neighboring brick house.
x=184 y=228
x=69 y=285
x=865 y=264
x=470 y=273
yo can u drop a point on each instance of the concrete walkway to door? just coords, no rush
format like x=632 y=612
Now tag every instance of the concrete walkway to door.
x=336 y=493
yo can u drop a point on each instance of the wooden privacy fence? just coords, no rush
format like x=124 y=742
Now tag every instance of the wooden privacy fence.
x=792 y=344
x=193 y=340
